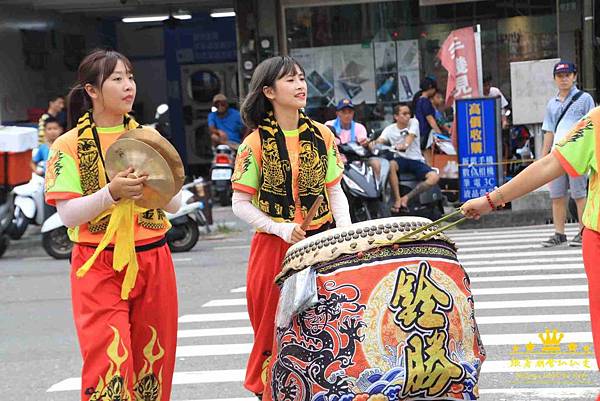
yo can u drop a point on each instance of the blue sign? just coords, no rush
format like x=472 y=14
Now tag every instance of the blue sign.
x=479 y=146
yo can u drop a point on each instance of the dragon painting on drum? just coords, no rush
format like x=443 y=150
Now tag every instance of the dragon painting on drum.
x=392 y=322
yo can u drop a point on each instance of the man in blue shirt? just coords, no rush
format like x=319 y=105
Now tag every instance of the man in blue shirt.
x=225 y=124
x=557 y=124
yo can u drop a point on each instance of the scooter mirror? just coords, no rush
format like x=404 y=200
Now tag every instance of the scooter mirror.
x=162 y=109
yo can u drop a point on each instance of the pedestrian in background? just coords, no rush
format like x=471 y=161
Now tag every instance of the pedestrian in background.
x=56 y=105
x=52 y=130
x=281 y=168
x=425 y=114
x=564 y=110
x=225 y=123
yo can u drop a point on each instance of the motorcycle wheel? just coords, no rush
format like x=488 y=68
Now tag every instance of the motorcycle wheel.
x=225 y=198
x=19 y=225
x=4 y=241
x=57 y=244
x=190 y=238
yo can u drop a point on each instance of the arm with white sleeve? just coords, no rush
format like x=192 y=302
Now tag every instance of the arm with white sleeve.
x=77 y=211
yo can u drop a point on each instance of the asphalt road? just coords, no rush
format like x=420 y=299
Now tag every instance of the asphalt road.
x=520 y=291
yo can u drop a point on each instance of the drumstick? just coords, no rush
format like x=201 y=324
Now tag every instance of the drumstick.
x=311 y=213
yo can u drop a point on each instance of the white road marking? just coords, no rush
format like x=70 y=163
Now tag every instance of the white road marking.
x=213 y=349
x=530 y=290
x=220 y=331
x=481 y=254
x=526 y=338
x=225 y=302
x=575 y=317
x=213 y=317
x=530 y=303
x=529 y=277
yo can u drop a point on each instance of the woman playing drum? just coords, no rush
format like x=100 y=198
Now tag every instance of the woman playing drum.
x=126 y=321
x=281 y=169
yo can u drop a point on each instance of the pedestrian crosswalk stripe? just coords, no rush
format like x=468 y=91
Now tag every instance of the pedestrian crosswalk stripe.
x=225 y=302
x=534 y=241
x=239 y=289
x=560 y=365
x=213 y=317
x=475 y=291
x=528 y=277
x=471 y=268
x=526 y=338
x=488 y=339
x=194 y=377
x=227 y=399
x=220 y=331
x=521 y=248
x=529 y=290
x=510 y=260
x=213 y=349
x=569 y=230
x=542 y=393
x=530 y=303
x=503 y=255
x=512 y=319
x=237 y=375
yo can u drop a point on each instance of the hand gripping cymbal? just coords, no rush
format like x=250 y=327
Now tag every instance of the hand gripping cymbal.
x=159 y=188
x=152 y=137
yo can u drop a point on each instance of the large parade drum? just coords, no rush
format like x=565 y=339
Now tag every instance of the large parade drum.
x=369 y=312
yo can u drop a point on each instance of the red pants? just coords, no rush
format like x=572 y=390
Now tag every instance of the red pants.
x=128 y=346
x=591 y=261
x=266 y=254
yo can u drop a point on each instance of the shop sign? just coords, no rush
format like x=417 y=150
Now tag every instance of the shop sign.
x=477 y=124
x=459 y=57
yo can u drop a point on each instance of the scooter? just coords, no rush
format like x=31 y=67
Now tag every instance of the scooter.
x=365 y=193
x=182 y=236
x=29 y=206
x=429 y=204
x=221 y=172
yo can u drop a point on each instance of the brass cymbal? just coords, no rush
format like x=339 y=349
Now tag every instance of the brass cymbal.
x=153 y=138
x=159 y=188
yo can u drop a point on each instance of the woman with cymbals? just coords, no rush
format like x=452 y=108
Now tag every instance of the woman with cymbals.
x=123 y=286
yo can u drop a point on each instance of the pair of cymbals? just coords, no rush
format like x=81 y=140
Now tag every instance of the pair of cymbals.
x=151 y=155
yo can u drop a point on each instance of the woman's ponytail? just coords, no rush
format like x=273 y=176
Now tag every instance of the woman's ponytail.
x=78 y=102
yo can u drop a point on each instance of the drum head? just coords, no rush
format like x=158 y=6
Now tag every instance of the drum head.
x=159 y=188
x=330 y=244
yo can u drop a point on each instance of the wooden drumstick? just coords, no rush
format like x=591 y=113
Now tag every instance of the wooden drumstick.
x=311 y=213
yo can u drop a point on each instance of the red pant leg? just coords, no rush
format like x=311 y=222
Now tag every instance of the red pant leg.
x=102 y=323
x=266 y=254
x=591 y=261
x=154 y=325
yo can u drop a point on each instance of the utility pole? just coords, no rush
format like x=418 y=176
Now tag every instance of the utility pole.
x=588 y=70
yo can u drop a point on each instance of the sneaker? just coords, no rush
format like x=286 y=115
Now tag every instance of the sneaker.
x=555 y=239
x=576 y=241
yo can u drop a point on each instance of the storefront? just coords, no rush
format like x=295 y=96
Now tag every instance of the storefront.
x=376 y=52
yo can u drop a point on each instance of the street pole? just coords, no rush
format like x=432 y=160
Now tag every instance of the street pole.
x=478 y=56
x=588 y=47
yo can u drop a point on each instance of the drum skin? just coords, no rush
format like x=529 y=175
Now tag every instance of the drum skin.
x=393 y=322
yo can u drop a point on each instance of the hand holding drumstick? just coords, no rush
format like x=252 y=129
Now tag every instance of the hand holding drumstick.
x=299 y=232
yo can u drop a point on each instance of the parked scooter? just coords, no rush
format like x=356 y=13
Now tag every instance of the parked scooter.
x=29 y=206
x=6 y=216
x=182 y=236
x=429 y=204
x=221 y=171
x=365 y=193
